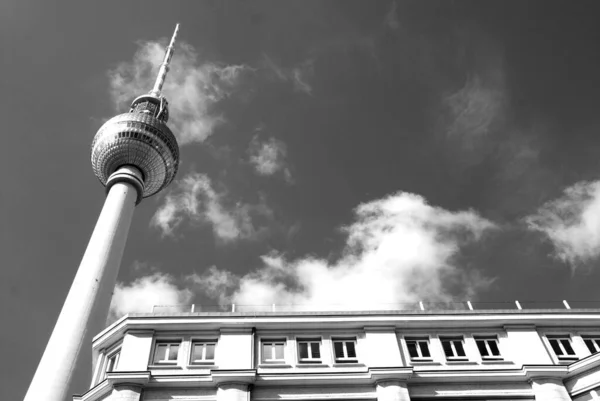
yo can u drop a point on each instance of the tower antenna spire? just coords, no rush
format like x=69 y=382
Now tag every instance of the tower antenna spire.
x=164 y=67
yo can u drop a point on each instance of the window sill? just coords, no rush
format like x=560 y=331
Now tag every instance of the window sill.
x=274 y=365
x=495 y=362
x=424 y=362
x=165 y=366
x=567 y=360
x=206 y=365
x=311 y=365
x=460 y=362
x=347 y=364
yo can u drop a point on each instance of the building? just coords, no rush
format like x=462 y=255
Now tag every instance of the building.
x=476 y=355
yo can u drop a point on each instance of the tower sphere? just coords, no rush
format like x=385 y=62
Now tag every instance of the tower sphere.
x=138 y=147
x=140 y=139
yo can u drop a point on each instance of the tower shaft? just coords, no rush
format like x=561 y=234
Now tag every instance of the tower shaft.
x=85 y=308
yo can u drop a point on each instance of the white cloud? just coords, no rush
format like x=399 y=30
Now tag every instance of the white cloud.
x=572 y=223
x=144 y=293
x=477 y=107
x=399 y=249
x=297 y=75
x=192 y=87
x=194 y=198
x=215 y=283
x=268 y=157
x=391 y=18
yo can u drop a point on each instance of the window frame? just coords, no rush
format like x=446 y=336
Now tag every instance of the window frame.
x=273 y=342
x=486 y=340
x=595 y=339
x=345 y=359
x=168 y=342
x=113 y=352
x=310 y=358
x=418 y=346
x=564 y=356
x=452 y=340
x=205 y=342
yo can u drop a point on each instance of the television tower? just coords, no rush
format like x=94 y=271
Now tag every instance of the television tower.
x=134 y=155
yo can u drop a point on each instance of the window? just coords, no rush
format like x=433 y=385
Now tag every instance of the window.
x=111 y=363
x=488 y=347
x=203 y=351
x=593 y=343
x=561 y=345
x=273 y=351
x=345 y=350
x=453 y=348
x=166 y=352
x=309 y=350
x=418 y=348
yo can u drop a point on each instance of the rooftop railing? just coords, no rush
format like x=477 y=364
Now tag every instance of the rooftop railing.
x=397 y=307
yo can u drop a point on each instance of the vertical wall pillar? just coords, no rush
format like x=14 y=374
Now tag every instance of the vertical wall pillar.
x=549 y=389
x=233 y=392
x=392 y=390
x=126 y=392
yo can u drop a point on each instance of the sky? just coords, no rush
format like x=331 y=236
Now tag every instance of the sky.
x=334 y=155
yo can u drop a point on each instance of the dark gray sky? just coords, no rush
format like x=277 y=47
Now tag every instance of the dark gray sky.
x=458 y=125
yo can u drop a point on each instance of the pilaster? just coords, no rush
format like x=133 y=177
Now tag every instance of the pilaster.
x=549 y=389
x=233 y=391
x=392 y=390
x=126 y=392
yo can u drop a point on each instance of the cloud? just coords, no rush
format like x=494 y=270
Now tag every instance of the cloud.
x=214 y=283
x=268 y=157
x=298 y=75
x=399 y=249
x=144 y=293
x=572 y=223
x=195 y=199
x=192 y=87
x=391 y=18
x=476 y=109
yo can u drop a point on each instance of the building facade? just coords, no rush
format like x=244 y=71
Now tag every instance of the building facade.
x=542 y=355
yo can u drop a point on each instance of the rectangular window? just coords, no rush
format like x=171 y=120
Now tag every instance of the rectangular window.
x=166 y=352
x=345 y=350
x=203 y=351
x=418 y=348
x=273 y=351
x=453 y=348
x=592 y=343
x=309 y=350
x=488 y=347
x=561 y=345
x=111 y=364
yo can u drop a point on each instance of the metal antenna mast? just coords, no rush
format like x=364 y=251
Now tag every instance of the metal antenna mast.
x=164 y=67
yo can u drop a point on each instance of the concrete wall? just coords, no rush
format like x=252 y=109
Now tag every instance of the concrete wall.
x=239 y=348
x=525 y=346
x=235 y=349
x=135 y=351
